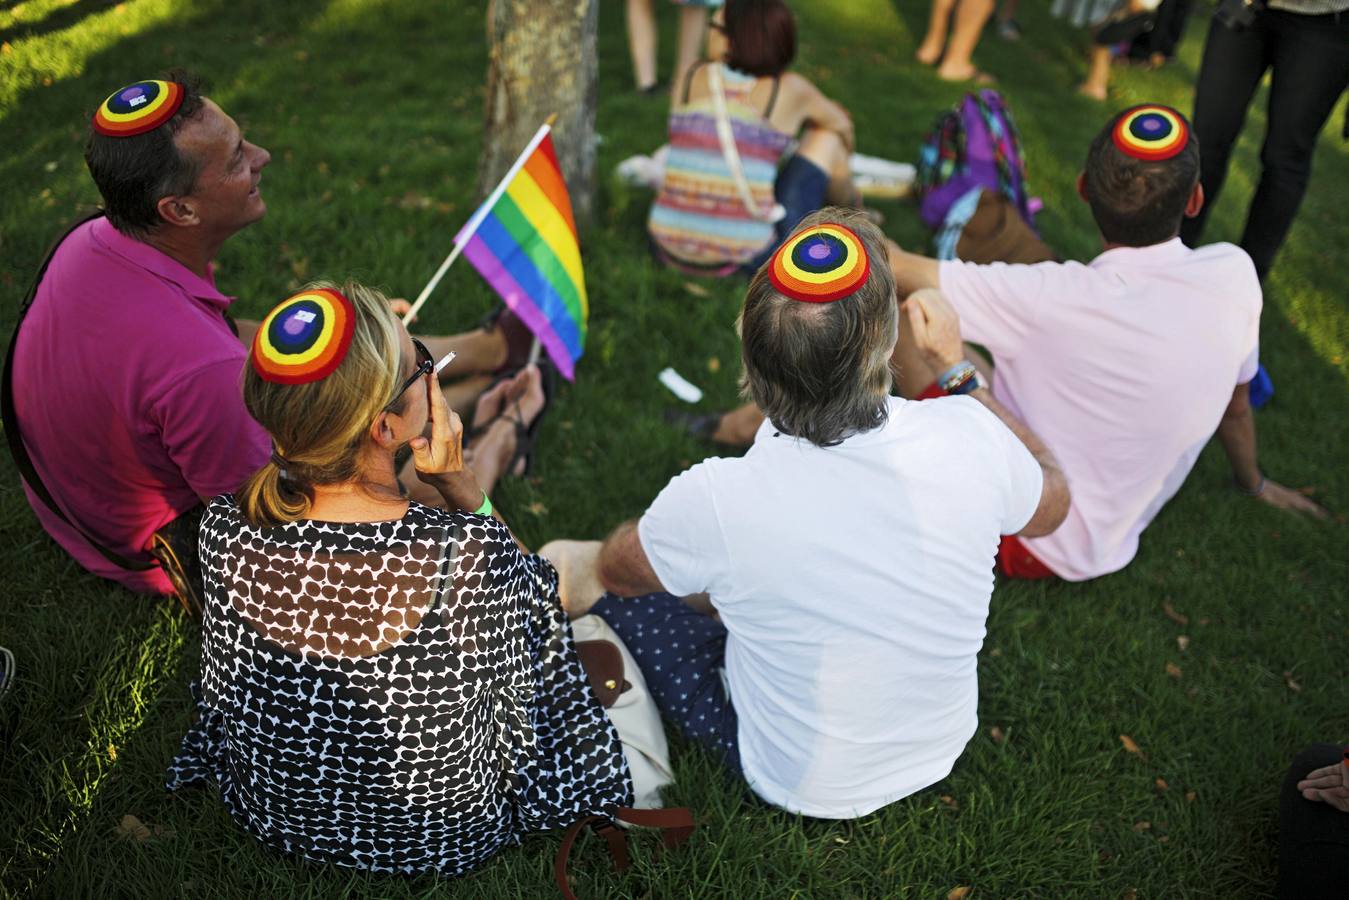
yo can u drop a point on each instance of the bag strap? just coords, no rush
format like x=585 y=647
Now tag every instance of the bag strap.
x=676 y=825
x=11 y=421
x=731 y=153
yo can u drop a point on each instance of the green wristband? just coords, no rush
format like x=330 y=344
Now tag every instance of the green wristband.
x=486 y=508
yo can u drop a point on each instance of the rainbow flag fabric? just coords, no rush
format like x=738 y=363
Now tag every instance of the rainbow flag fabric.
x=522 y=240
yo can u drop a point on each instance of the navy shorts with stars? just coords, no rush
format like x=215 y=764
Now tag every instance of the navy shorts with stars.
x=681 y=653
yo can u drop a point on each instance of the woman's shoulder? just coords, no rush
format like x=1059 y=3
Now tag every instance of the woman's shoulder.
x=466 y=528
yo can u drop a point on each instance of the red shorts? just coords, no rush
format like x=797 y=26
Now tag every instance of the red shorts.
x=1014 y=560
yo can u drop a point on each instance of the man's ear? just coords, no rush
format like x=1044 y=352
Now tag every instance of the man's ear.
x=1082 y=185
x=178 y=211
x=1196 y=201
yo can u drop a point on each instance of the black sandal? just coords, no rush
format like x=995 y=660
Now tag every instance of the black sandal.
x=524 y=434
x=699 y=425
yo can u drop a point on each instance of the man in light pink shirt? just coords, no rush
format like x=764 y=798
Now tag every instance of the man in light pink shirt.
x=1125 y=366
x=126 y=370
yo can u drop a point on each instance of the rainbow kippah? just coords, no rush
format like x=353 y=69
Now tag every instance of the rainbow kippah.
x=138 y=108
x=1151 y=133
x=305 y=338
x=821 y=264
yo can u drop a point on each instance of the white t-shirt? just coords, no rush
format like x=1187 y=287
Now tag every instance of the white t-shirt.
x=853 y=582
x=1123 y=367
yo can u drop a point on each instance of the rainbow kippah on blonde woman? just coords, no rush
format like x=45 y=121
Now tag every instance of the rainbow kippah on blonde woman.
x=138 y=108
x=821 y=264
x=305 y=338
x=1151 y=133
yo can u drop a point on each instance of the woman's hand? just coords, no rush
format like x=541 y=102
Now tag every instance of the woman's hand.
x=439 y=460
x=1329 y=784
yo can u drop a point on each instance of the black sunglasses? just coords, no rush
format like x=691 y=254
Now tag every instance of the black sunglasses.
x=426 y=364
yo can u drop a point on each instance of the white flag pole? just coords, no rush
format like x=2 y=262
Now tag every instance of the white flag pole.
x=475 y=221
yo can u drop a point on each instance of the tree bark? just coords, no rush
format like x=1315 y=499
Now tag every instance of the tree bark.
x=542 y=60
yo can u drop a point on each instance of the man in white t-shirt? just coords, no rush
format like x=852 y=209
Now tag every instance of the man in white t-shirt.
x=849 y=554
x=1125 y=366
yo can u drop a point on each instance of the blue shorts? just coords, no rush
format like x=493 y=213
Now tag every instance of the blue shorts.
x=801 y=188
x=681 y=653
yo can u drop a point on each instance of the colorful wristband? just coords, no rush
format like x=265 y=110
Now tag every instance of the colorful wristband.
x=486 y=508
x=959 y=379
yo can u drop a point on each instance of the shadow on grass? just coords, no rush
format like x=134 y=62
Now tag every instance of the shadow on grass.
x=57 y=20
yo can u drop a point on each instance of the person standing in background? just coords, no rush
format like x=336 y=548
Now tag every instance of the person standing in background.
x=952 y=58
x=643 y=37
x=1305 y=46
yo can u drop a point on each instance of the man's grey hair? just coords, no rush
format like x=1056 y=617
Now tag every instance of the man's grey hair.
x=821 y=371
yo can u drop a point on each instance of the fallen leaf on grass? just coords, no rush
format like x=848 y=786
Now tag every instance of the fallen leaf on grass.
x=1161 y=784
x=1183 y=642
x=1190 y=796
x=133 y=828
x=537 y=508
x=1142 y=826
x=949 y=801
x=695 y=289
x=1132 y=747
x=1292 y=685
x=996 y=734
x=1170 y=612
x=1130 y=894
x=959 y=893
x=714 y=365
x=112 y=752
x=1173 y=670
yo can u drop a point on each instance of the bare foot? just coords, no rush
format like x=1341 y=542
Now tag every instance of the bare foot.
x=520 y=400
x=964 y=73
x=1094 y=91
x=738 y=427
x=927 y=55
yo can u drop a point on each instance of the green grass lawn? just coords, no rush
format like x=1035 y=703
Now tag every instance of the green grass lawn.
x=372 y=111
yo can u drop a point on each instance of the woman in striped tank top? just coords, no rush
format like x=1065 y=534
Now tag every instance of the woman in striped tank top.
x=702 y=220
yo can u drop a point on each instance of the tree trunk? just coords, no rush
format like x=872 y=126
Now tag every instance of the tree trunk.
x=542 y=61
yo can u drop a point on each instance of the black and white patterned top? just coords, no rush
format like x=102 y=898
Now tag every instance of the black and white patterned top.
x=397 y=696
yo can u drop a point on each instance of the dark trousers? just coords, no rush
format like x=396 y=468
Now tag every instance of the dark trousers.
x=1309 y=59
x=1166 y=32
x=1313 y=836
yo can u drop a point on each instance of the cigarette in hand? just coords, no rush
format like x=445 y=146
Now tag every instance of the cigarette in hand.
x=445 y=361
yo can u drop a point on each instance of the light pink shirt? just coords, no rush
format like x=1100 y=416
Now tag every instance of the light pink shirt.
x=1123 y=367
x=127 y=387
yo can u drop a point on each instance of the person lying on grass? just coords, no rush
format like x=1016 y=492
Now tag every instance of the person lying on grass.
x=1126 y=365
x=129 y=338
x=384 y=685
x=848 y=555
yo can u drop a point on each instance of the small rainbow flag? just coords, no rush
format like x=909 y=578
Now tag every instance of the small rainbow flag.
x=522 y=240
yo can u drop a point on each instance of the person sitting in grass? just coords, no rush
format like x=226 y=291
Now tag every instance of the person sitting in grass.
x=1126 y=365
x=725 y=203
x=384 y=685
x=129 y=338
x=848 y=555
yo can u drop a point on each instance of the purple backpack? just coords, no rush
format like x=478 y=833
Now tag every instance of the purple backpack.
x=974 y=145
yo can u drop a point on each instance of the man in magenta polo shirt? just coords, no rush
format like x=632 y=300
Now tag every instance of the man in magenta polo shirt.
x=127 y=349
x=127 y=346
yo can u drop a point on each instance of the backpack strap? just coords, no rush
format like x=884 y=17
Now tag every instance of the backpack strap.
x=9 y=416
x=675 y=825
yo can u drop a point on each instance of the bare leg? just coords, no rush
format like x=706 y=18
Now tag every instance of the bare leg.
x=462 y=395
x=1098 y=74
x=826 y=149
x=692 y=29
x=642 y=42
x=479 y=351
x=970 y=18
x=929 y=51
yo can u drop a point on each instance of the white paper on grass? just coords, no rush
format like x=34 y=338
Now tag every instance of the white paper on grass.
x=680 y=386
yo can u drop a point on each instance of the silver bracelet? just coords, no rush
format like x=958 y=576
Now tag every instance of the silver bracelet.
x=1259 y=488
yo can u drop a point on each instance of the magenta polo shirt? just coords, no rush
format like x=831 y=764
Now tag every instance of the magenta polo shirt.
x=127 y=384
